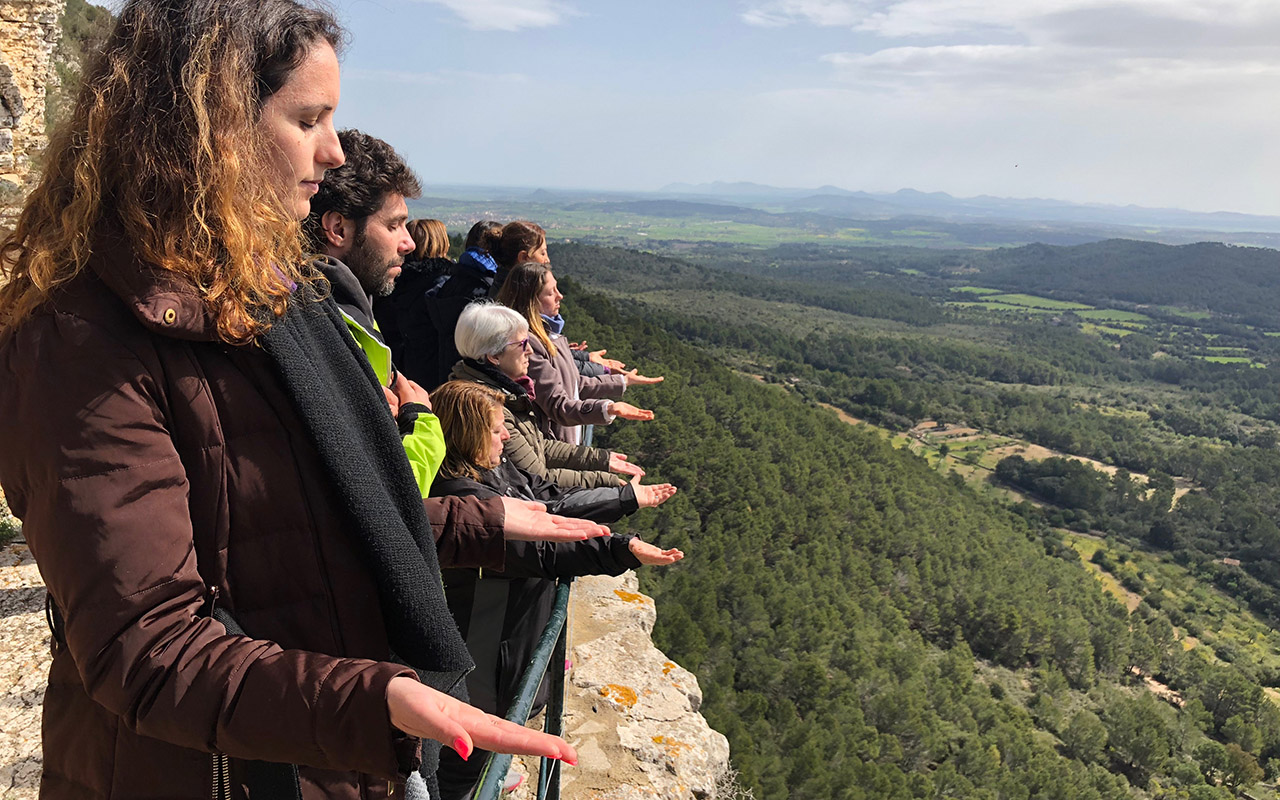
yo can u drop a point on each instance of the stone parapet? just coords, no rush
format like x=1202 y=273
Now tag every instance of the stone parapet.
x=631 y=712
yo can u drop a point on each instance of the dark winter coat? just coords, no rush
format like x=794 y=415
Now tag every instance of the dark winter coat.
x=430 y=351
x=403 y=319
x=157 y=469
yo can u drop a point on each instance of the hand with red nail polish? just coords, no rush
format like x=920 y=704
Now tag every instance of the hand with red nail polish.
x=419 y=710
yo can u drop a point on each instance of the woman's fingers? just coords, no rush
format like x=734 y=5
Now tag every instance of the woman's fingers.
x=634 y=377
x=651 y=556
x=628 y=411
x=421 y=711
x=488 y=732
x=527 y=521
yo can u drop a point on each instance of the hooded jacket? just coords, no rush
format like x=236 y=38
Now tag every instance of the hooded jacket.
x=158 y=471
x=420 y=429
x=566 y=465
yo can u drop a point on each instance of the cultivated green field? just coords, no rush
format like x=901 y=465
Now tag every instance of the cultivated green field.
x=1186 y=313
x=1113 y=315
x=1089 y=327
x=992 y=306
x=1032 y=301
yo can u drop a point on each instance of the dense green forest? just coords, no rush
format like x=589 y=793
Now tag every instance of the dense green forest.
x=867 y=625
x=1039 y=380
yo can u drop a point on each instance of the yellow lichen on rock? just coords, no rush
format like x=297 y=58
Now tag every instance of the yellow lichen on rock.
x=674 y=746
x=631 y=597
x=620 y=695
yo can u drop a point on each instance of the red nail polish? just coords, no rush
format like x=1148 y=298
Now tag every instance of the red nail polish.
x=460 y=745
x=570 y=762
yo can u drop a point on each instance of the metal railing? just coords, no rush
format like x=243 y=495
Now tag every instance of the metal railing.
x=550 y=651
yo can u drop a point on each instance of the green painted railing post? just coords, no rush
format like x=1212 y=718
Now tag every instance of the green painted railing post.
x=550 y=650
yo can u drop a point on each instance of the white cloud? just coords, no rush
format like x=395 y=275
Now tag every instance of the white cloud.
x=507 y=15
x=1122 y=47
x=912 y=18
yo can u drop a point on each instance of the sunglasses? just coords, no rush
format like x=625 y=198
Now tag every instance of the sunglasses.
x=523 y=344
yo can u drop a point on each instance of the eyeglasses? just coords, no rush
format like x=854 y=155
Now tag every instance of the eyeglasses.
x=523 y=344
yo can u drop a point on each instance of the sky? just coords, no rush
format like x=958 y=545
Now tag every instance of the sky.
x=1164 y=103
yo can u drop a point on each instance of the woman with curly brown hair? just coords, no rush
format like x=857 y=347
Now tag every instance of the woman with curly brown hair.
x=205 y=467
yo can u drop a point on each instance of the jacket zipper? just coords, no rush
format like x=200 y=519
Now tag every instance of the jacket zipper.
x=221 y=777
x=221 y=764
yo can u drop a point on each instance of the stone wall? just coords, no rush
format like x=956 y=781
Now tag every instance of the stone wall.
x=29 y=31
x=631 y=712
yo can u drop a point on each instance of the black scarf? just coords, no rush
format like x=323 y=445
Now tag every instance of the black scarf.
x=343 y=410
x=496 y=377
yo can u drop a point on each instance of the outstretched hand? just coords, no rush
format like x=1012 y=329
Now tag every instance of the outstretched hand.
x=421 y=711
x=651 y=556
x=628 y=411
x=614 y=365
x=653 y=494
x=618 y=463
x=634 y=378
x=528 y=521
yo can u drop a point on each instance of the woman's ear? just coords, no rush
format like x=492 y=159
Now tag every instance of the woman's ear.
x=491 y=359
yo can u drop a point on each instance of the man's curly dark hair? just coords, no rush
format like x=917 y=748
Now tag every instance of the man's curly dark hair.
x=359 y=187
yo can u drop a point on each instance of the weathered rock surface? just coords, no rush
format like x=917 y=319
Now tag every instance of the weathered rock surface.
x=24 y=669
x=29 y=31
x=630 y=711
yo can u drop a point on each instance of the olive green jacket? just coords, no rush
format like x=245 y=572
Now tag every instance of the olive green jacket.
x=566 y=465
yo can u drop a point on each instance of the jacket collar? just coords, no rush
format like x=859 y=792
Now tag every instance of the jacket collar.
x=164 y=302
x=347 y=291
x=468 y=369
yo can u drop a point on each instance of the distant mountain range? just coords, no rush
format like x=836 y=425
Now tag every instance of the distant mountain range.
x=909 y=202
x=950 y=221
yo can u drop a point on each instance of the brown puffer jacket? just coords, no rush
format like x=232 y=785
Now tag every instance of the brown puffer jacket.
x=566 y=398
x=566 y=465
x=154 y=469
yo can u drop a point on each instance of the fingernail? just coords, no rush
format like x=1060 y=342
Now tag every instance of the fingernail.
x=571 y=762
x=460 y=745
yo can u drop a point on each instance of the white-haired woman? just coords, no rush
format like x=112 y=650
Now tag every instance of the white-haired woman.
x=493 y=341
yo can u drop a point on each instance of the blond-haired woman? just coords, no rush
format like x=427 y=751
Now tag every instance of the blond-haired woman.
x=193 y=441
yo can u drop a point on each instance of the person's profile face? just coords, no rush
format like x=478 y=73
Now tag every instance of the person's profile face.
x=298 y=121
x=497 y=436
x=549 y=296
x=378 y=252
x=513 y=361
